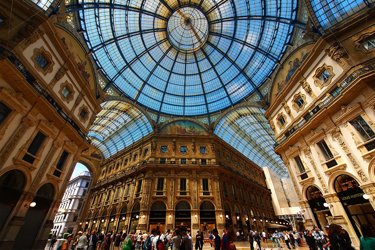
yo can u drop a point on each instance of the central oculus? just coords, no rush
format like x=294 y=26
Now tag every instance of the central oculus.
x=187 y=29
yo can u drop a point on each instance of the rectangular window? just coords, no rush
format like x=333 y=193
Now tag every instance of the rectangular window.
x=41 y=60
x=205 y=186
x=183 y=186
x=300 y=166
x=363 y=128
x=160 y=186
x=60 y=164
x=163 y=160
x=325 y=150
x=203 y=162
x=139 y=188
x=34 y=147
x=183 y=161
x=4 y=112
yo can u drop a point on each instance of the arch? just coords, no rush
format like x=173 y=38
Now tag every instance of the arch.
x=117 y=126
x=113 y=212
x=312 y=191
x=247 y=130
x=12 y=184
x=124 y=209
x=35 y=217
x=332 y=178
x=344 y=182
x=207 y=205
x=136 y=207
x=183 y=206
x=158 y=206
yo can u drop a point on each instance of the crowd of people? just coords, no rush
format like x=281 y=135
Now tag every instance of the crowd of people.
x=335 y=238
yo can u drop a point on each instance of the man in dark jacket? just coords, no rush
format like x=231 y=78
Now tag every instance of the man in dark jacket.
x=93 y=240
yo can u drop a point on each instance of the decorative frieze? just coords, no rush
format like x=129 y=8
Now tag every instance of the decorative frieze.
x=317 y=172
x=338 y=53
x=337 y=136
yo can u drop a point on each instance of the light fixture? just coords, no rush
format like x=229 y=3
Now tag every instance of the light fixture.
x=123 y=218
x=196 y=216
x=366 y=196
x=227 y=216
x=112 y=219
x=143 y=216
x=221 y=216
x=247 y=218
x=170 y=216
x=266 y=220
x=87 y=222
x=137 y=216
x=94 y=221
x=103 y=220
x=255 y=219
x=32 y=204
x=261 y=220
x=326 y=204
x=238 y=217
x=80 y=223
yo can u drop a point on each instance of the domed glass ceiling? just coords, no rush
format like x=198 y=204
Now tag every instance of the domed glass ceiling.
x=184 y=57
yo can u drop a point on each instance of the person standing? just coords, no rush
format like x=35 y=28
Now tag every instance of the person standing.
x=338 y=238
x=367 y=241
x=231 y=238
x=186 y=242
x=81 y=241
x=93 y=240
x=198 y=241
x=318 y=237
x=176 y=239
x=217 y=239
x=251 y=239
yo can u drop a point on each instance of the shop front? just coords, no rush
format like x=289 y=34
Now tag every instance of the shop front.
x=157 y=216
x=321 y=212
x=183 y=215
x=353 y=199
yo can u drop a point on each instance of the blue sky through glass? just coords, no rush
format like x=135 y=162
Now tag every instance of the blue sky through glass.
x=136 y=44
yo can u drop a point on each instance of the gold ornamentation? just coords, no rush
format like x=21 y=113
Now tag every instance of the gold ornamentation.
x=324 y=69
x=295 y=100
x=338 y=53
x=306 y=86
x=46 y=56
x=59 y=74
x=279 y=119
x=337 y=136
x=66 y=92
x=83 y=113
x=312 y=163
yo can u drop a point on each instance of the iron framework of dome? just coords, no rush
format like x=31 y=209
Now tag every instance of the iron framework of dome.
x=187 y=58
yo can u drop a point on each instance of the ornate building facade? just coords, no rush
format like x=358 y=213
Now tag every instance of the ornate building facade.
x=182 y=176
x=164 y=102
x=323 y=117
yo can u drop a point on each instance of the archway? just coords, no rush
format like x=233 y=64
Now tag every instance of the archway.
x=102 y=221
x=228 y=215
x=121 y=220
x=317 y=203
x=111 y=223
x=207 y=218
x=157 y=216
x=12 y=184
x=134 y=218
x=35 y=217
x=358 y=209
x=183 y=215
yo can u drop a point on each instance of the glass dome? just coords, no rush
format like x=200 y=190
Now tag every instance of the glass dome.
x=187 y=58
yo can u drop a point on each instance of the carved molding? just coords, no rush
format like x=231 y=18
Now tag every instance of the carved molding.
x=306 y=86
x=42 y=51
x=317 y=172
x=294 y=100
x=337 y=136
x=338 y=53
x=319 y=71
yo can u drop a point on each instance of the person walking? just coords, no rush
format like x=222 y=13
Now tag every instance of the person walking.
x=217 y=239
x=251 y=239
x=367 y=241
x=198 y=241
x=318 y=237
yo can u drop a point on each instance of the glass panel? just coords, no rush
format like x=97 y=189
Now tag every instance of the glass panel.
x=325 y=150
x=247 y=130
x=187 y=58
x=299 y=164
x=34 y=147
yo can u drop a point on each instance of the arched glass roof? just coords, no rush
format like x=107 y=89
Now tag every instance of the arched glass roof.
x=117 y=126
x=330 y=12
x=247 y=130
x=43 y=4
x=183 y=57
